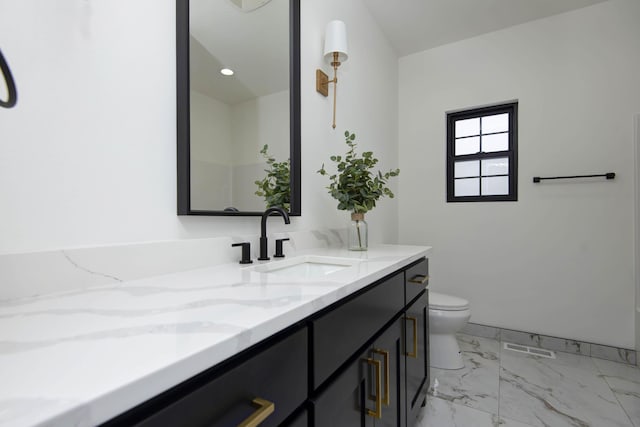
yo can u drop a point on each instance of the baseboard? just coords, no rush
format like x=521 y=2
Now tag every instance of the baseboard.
x=622 y=355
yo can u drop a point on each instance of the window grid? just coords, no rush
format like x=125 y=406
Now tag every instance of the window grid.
x=510 y=154
x=481 y=134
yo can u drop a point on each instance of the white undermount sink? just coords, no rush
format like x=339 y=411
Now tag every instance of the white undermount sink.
x=308 y=266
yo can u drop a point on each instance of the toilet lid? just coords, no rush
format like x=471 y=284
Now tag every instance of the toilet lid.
x=447 y=302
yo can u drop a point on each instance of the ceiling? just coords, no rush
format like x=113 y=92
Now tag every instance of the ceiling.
x=256 y=44
x=415 y=25
x=253 y=42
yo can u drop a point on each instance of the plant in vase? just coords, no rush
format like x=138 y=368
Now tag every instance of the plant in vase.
x=275 y=187
x=357 y=188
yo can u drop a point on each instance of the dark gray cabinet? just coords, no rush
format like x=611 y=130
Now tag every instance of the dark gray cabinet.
x=388 y=349
x=340 y=332
x=370 y=391
x=417 y=355
x=396 y=357
x=417 y=279
x=344 y=402
x=416 y=338
x=302 y=420
x=269 y=385
x=361 y=362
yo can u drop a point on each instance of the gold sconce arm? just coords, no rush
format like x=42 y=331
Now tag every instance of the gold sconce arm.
x=322 y=83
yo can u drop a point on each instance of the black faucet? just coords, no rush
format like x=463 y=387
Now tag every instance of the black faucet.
x=263 y=229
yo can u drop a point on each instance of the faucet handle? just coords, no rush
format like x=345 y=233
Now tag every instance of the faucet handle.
x=279 y=253
x=246 y=252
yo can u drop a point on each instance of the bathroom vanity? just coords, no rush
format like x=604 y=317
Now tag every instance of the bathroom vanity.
x=364 y=358
x=229 y=344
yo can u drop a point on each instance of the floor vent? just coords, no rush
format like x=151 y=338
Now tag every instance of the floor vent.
x=530 y=350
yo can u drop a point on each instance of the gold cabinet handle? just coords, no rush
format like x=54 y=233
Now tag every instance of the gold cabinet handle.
x=265 y=408
x=414 y=353
x=378 y=412
x=385 y=354
x=419 y=279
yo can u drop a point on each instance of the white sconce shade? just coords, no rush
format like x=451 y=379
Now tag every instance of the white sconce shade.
x=336 y=41
x=335 y=52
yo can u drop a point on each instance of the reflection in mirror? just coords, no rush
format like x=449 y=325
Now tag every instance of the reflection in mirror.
x=232 y=116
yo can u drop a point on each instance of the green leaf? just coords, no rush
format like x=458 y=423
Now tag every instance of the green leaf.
x=275 y=186
x=356 y=186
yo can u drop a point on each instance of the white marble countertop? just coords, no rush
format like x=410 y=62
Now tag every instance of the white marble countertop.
x=82 y=357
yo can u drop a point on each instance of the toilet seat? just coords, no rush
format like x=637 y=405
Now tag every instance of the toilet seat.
x=447 y=302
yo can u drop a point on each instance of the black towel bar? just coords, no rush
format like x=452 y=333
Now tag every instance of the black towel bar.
x=608 y=175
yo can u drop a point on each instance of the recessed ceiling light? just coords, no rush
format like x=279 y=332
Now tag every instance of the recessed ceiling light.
x=226 y=72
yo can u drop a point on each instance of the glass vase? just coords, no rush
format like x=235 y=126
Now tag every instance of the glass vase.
x=358 y=233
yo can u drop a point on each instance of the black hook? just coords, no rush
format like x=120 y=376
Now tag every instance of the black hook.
x=11 y=86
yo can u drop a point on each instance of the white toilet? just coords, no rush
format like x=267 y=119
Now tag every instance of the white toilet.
x=447 y=315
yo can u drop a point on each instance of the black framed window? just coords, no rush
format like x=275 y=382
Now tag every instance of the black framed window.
x=482 y=161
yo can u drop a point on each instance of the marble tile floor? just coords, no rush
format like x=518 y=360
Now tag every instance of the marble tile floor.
x=503 y=388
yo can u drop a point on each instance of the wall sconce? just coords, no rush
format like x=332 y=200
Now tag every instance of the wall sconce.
x=335 y=51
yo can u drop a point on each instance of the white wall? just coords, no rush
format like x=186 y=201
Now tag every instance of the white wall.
x=88 y=155
x=225 y=148
x=259 y=121
x=560 y=260
x=211 y=153
x=254 y=123
x=367 y=104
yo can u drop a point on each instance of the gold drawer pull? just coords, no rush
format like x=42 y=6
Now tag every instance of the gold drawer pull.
x=378 y=412
x=414 y=353
x=419 y=279
x=386 y=400
x=265 y=408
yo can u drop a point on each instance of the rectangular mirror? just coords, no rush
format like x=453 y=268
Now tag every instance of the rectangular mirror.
x=238 y=135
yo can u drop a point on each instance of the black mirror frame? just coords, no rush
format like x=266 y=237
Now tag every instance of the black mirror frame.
x=183 y=114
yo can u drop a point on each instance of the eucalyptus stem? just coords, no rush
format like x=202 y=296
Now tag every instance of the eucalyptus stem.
x=356 y=185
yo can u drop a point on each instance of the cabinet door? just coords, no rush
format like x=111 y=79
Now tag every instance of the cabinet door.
x=388 y=348
x=344 y=403
x=301 y=420
x=339 y=333
x=370 y=392
x=417 y=355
